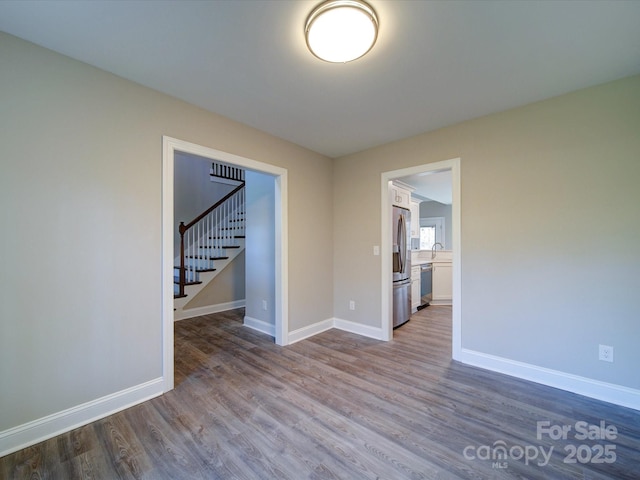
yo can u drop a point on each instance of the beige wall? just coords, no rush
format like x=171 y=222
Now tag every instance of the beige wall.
x=80 y=206
x=549 y=229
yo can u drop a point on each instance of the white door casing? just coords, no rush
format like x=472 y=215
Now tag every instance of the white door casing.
x=386 y=290
x=169 y=147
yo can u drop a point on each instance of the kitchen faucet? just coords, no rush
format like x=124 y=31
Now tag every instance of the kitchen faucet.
x=433 y=249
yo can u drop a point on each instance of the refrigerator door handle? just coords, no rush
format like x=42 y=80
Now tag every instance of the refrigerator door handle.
x=401 y=242
x=403 y=247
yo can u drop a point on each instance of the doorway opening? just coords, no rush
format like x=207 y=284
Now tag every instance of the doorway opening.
x=278 y=275
x=386 y=295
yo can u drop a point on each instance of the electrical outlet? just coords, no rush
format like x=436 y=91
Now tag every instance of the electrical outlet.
x=376 y=250
x=605 y=353
x=264 y=304
x=352 y=305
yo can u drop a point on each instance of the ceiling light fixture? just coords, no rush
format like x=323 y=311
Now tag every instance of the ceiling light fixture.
x=340 y=31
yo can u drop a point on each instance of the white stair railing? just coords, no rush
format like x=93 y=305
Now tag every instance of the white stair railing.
x=204 y=239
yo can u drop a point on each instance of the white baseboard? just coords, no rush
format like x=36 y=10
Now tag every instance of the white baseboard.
x=324 y=325
x=441 y=302
x=36 y=431
x=607 y=392
x=208 y=310
x=260 y=326
x=364 y=330
x=310 y=331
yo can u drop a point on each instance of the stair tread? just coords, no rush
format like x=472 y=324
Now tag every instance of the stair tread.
x=202 y=270
x=204 y=257
x=179 y=296
x=176 y=281
x=221 y=246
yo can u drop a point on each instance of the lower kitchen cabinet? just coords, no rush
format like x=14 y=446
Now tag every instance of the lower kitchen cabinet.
x=415 y=288
x=442 y=283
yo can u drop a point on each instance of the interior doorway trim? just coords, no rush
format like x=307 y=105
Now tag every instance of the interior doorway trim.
x=169 y=147
x=386 y=293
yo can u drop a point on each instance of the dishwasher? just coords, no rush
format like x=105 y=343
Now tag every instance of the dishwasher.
x=426 y=285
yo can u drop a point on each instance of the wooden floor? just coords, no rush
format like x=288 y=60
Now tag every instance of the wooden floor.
x=336 y=406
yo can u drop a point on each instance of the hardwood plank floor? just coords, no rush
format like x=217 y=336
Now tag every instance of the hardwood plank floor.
x=336 y=406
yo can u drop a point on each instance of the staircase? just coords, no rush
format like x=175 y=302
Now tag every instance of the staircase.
x=211 y=241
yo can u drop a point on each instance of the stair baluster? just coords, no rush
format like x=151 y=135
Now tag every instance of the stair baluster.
x=205 y=237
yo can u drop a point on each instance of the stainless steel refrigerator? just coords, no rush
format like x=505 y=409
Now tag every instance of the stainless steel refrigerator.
x=401 y=265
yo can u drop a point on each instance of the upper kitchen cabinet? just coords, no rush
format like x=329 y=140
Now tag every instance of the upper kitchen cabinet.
x=415 y=218
x=401 y=195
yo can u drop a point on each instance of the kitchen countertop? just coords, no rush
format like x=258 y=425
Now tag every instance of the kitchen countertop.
x=419 y=257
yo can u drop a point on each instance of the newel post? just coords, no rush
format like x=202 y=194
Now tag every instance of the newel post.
x=183 y=273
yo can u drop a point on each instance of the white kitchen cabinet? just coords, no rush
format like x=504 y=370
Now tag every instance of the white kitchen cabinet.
x=400 y=196
x=442 y=283
x=415 y=288
x=415 y=219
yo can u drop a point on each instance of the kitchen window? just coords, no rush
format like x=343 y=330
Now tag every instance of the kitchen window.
x=431 y=231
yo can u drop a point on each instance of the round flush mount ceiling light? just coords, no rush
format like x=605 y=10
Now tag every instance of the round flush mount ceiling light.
x=340 y=31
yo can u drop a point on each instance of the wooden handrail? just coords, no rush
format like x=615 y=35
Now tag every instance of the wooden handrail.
x=183 y=228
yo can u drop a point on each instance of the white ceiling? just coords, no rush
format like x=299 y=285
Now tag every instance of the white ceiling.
x=436 y=63
x=434 y=186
